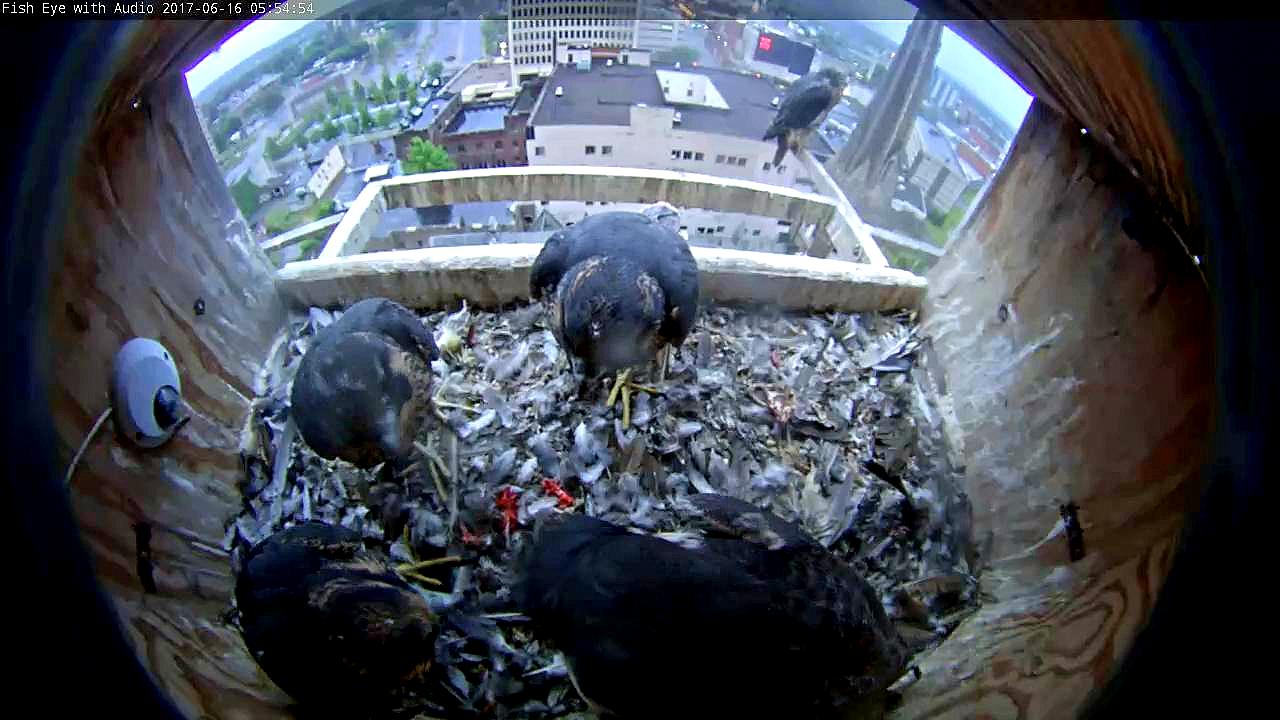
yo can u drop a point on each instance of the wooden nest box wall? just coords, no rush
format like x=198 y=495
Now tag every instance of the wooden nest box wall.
x=1073 y=356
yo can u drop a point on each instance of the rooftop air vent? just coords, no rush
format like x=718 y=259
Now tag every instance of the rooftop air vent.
x=559 y=91
x=775 y=102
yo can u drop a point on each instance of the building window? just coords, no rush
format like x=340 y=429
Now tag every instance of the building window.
x=742 y=162
x=719 y=159
x=782 y=168
x=719 y=228
x=687 y=154
x=767 y=166
x=540 y=151
x=591 y=149
x=462 y=148
x=675 y=154
x=606 y=149
x=497 y=144
x=698 y=156
x=688 y=92
x=755 y=233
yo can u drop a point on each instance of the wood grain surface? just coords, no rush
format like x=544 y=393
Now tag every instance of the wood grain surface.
x=150 y=230
x=1078 y=366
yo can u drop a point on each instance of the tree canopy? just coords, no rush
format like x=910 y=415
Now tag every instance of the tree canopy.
x=354 y=51
x=678 y=54
x=426 y=157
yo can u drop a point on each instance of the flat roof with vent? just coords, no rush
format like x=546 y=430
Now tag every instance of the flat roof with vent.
x=686 y=88
x=605 y=95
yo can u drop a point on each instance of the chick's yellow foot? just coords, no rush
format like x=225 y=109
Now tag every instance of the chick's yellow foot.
x=622 y=386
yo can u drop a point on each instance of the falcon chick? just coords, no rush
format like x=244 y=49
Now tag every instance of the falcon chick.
x=805 y=104
x=621 y=286
x=362 y=389
x=328 y=621
x=752 y=618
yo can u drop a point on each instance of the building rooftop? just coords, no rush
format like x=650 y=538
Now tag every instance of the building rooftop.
x=478 y=118
x=935 y=143
x=479 y=73
x=910 y=194
x=501 y=237
x=527 y=98
x=360 y=155
x=345 y=190
x=604 y=96
x=316 y=152
x=395 y=219
x=431 y=109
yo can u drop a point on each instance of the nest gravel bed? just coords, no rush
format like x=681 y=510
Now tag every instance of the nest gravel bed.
x=822 y=418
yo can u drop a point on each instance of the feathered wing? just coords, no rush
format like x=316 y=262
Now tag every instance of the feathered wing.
x=389 y=318
x=551 y=264
x=804 y=102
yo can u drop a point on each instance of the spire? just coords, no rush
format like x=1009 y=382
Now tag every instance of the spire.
x=866 y=166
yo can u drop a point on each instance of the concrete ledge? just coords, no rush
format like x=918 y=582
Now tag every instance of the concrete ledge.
x=298 y=234
x=491 y=275
x=612 y=184
x=897 y=238
x=849 y=222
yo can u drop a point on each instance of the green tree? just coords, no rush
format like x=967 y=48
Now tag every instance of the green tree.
x=388 y=88
x=493 y=31
x=403 y=84
x=246 y=195
x=353 y=51
x=413 y=97
x=358 y=92
x=353 y=126
x=330 y=96
x=682 y=54
x=265 y=102
x=274 y=150
x=330 y=130
x=375 y=95
x=224 y=129
x=385 y=117
x=383 y=47
x=366 y=119
x=425 y=157
x=435 y=69
x=402 y=28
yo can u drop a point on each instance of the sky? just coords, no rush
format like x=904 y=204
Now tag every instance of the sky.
x=970 y=68
x=253 y=37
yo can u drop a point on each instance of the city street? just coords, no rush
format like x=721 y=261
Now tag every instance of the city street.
x=460 y=40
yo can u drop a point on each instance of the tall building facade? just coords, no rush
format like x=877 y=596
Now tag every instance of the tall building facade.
x=536 y=27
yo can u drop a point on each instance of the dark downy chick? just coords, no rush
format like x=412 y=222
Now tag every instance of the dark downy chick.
x=639 y=265
x=753 y=620
x=608 y=313
x=802 y=109
x=329 y=622
x=364 y=386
